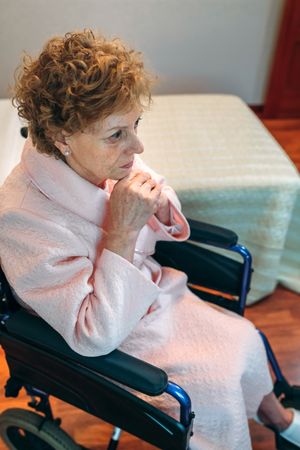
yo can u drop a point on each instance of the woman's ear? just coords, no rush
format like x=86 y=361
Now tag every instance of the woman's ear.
x=61 y=143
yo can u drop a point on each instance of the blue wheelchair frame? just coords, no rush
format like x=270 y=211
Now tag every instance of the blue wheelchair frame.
x=155 y=427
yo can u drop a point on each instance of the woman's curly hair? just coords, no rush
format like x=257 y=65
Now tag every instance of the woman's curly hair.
x=78 y=79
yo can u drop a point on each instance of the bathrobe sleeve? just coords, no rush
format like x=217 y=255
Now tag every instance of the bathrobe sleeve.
x=93 y=307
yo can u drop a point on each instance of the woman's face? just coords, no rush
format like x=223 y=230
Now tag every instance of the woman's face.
x=106 y=151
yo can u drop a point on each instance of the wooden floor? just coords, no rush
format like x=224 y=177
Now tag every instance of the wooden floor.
x=287 y=133
x=278 y=315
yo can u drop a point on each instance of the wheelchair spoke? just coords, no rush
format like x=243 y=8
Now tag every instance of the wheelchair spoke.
x=24 y=440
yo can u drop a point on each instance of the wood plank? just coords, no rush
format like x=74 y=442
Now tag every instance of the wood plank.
x=287 y=133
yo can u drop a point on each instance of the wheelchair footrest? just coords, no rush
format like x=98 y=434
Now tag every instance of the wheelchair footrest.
x=292 y=399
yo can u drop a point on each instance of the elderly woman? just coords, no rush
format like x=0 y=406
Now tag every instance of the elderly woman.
x=80 y=216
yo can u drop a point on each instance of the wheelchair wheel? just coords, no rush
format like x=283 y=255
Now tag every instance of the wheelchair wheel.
x=21 y=429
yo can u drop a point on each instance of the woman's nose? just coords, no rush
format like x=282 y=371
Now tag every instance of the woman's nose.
x=135 y=145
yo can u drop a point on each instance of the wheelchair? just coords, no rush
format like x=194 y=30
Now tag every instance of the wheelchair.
x=40 y=361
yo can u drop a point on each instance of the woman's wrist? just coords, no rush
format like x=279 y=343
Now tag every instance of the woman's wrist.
x=121 y=243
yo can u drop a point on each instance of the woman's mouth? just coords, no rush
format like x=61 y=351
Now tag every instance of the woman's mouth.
x=127 y=166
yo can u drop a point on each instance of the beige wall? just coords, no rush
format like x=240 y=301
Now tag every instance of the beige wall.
x=193 y=45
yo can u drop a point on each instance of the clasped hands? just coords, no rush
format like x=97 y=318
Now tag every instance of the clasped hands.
x=134 y=200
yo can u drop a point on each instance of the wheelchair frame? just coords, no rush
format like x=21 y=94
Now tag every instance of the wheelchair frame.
x=36 y=353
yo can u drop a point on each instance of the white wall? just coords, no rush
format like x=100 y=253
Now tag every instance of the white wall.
x=220 y=46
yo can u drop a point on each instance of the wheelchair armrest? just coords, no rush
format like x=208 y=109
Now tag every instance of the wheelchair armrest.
x=117 y=365
x=212 y=234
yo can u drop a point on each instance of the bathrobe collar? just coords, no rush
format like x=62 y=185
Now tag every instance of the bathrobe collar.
x=60 y=183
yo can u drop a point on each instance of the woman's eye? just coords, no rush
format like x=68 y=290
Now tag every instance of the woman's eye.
x=116 y=136
x=137 y=123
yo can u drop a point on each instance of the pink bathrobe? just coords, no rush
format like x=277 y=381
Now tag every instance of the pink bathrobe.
x=50 y=221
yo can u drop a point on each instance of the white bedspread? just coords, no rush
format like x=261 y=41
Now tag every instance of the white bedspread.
x=226 y=168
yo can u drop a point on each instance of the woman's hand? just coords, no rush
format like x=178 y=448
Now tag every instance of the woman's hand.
x=133 y=201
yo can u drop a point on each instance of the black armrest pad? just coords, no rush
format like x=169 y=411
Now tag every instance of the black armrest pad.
x=211 y=234
x=117 y=365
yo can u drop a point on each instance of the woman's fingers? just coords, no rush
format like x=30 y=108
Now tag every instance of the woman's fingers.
x=151 y=192
x=133 y=200
x=141 y=179
x=137 y=180
x=148 y=185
